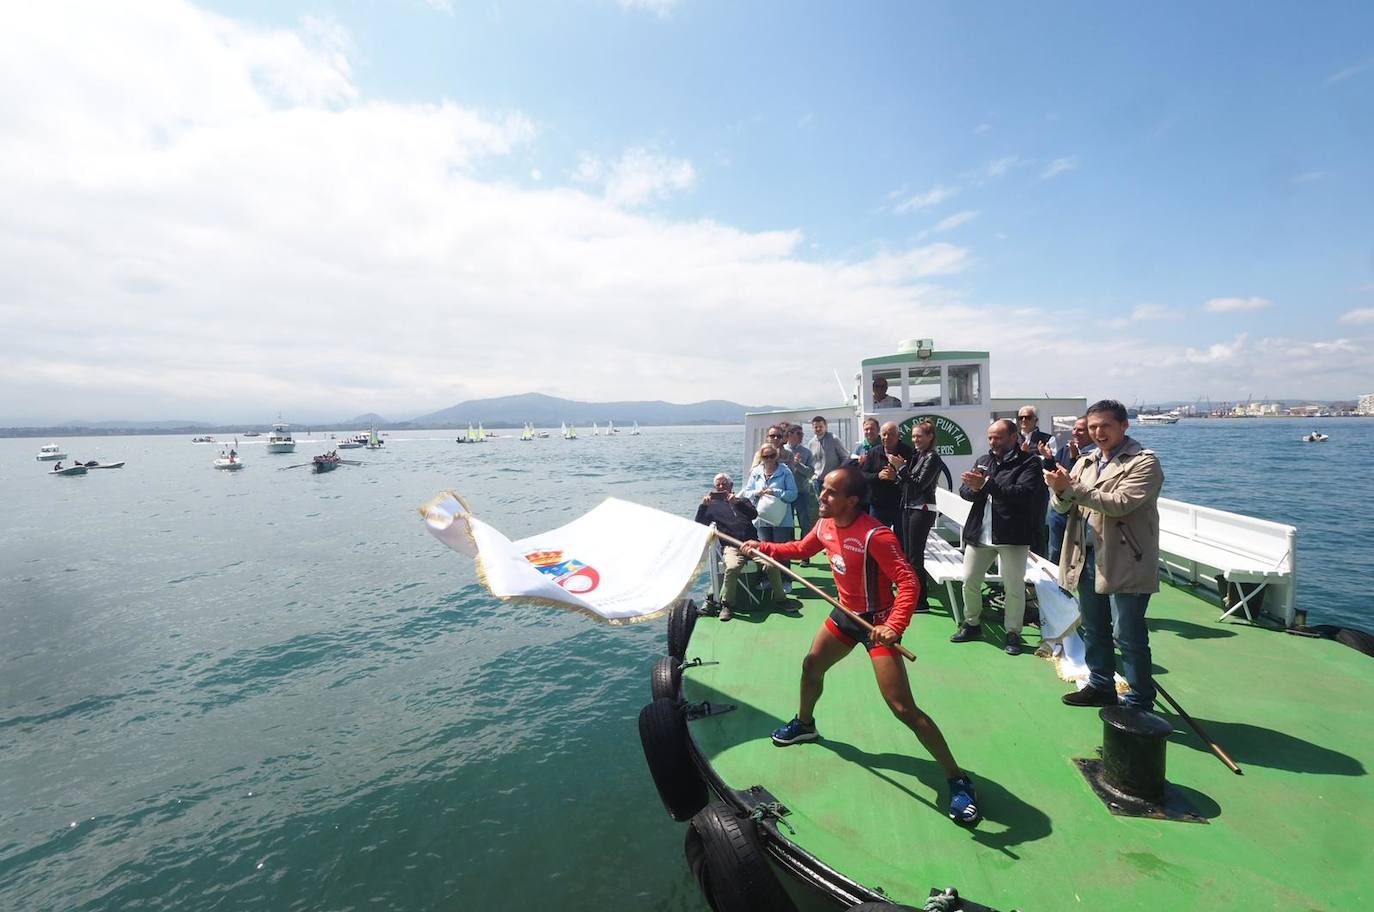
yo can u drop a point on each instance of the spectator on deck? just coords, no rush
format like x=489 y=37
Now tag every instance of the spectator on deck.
x=871 y=439
x=1030 y=438
x=1113 y=569
x=918 y=477
x=769 y=478
x=1078 y=444
x=735 y=517
x=801 y=462
x=826 y=448
x=1004 y=486
x=884 y=490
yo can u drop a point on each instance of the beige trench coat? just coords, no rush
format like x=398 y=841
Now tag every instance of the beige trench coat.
x=1123 y=506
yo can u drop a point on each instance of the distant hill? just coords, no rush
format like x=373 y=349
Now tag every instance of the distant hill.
x=364 y=420
x=134 y=425
x=549 y=411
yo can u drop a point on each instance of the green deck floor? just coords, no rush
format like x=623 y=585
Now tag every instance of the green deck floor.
x=1295 y=832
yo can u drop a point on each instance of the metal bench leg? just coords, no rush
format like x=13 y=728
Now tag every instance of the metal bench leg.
x=1244 y=603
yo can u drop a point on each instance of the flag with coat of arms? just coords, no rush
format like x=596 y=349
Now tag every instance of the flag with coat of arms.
x=620 y=563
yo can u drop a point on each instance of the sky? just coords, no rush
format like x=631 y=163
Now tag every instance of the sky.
x=225 y=211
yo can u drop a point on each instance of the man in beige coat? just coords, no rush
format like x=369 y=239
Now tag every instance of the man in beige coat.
x=1111 y=553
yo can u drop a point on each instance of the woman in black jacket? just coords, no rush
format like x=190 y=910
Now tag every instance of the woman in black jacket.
x=918 y=478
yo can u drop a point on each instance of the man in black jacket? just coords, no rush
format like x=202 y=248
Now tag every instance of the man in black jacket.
x=735 y=517
x=1006 y=487
x=884 y=490
x=1030 y=437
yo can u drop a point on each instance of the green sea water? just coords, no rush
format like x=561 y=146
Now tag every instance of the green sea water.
x=274 y=690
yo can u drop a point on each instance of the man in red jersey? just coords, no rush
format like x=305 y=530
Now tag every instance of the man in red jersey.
x=866 y=560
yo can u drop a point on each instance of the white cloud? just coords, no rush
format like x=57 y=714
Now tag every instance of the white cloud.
x=999 y=167
x=1358 y=315
x=661 y=8
x=1349 y=72
x=639 y=176
x=982 y=129
x=954 y=221
x=1060 y=166
x=932 y=197
x=1236 y=305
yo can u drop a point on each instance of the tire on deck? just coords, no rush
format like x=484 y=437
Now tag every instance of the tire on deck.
x=666 y=677
x=727 y=858
x=682 y=617
x=663 y=735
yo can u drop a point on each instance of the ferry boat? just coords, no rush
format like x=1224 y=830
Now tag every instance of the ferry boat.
x=50 y=452
x=280 y=440
x=1158 y=418
x=859 y=816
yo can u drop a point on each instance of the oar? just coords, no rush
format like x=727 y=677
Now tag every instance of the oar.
x=1206 y=739
x=349 y=462
x=299 y=465
x=759 y=555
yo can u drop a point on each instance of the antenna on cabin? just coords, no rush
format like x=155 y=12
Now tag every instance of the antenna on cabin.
x=844 y=397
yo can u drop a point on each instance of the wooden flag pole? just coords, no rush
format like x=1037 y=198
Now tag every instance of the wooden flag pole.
x=759 y=555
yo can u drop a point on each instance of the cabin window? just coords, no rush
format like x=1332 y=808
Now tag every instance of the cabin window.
x=894 y=382
x=924 y=387
x=965 y=385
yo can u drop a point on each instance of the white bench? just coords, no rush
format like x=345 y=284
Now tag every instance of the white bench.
x=1200 y=543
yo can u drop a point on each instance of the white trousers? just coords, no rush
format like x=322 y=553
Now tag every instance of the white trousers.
x=977 y=560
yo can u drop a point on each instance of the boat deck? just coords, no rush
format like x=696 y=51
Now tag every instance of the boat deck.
x=1294 y=832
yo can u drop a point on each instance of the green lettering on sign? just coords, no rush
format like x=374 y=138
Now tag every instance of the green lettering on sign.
x=950 y=438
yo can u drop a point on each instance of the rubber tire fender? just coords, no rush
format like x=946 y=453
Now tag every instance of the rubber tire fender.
x=727 y=857
x=663 y=735
x=682 y=618
x=666 y=678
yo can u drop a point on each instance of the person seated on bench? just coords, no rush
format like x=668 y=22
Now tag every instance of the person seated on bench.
x=1111 y=553
x=735 y=517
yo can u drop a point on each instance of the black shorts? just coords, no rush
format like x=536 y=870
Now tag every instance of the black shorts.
x=843 y=628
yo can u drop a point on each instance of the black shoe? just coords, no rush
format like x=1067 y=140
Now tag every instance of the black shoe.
x=1014 y=644
x=725 y=612
x=1090 y=696
x=790 y=607
x=967 y=634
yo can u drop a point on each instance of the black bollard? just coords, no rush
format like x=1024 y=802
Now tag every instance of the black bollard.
x=1133 y=743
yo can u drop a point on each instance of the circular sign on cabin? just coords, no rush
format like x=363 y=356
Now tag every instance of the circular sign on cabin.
x=950 y=438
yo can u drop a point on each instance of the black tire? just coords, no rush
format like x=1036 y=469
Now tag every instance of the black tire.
x=682 y=617
x=663 y=735
x=735 y=873
x=666 y=678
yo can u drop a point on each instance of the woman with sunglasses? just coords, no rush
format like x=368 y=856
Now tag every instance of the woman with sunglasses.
x=770 y=477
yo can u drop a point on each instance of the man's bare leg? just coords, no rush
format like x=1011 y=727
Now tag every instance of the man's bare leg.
x=826 y=650
x=896 y=690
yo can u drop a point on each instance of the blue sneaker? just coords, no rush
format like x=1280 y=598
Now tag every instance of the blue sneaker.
x=963 y=802
x=794 y=732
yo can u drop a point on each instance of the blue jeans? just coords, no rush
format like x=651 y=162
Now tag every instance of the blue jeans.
x=802 y=507
x=1131 y=635
x=1058 y=523
x=775 y=534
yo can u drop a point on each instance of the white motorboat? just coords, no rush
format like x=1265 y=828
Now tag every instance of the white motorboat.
x=59 y=469
x=1164 y=418
x=1315 y=437
x=229 y=459
x=50 y=452
x=206 y=439
x=280 y=440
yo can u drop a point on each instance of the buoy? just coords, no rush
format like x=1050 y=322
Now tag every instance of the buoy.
x=666 y=677
x=727 y=857
x=682 y=617
x=663 y=735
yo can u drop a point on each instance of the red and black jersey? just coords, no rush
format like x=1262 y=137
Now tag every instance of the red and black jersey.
x=867 y=562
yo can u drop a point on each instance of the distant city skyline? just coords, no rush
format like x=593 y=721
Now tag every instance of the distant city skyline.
x=235 y=209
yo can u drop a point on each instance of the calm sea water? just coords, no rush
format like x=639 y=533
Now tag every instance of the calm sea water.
x=273 y=690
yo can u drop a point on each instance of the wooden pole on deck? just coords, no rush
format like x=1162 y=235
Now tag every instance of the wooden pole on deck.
x=1206 y=739
x=759 y=555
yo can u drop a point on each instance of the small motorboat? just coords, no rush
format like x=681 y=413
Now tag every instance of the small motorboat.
x=76 y=469
x=50 y=453
x=252 y=433
x=228 y=460
x=1315 y=437
x=349 y=445
x=206 y=439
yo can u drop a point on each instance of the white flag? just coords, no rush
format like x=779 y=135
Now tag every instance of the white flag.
x=621 y=562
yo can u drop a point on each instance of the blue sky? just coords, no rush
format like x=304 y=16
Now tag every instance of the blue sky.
x=682 y=200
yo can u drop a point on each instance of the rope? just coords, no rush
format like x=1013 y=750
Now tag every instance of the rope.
x=771 y=810
x=948 y=901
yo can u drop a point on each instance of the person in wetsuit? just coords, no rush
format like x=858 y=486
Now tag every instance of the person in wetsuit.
x=866 y=560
